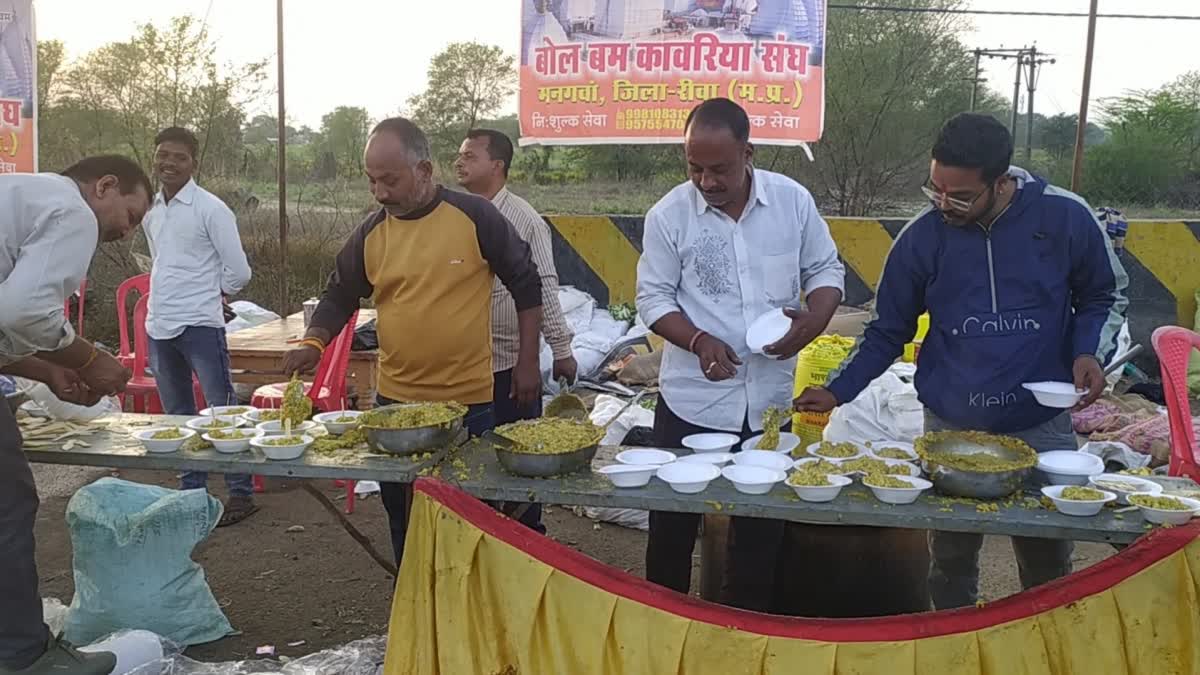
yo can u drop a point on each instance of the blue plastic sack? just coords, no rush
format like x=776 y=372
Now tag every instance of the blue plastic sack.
x=133 y=564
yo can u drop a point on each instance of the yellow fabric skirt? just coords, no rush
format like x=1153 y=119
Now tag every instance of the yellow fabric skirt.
x=479 y=593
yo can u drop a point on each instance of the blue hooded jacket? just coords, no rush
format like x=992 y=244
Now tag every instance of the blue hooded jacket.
x=1014 y=303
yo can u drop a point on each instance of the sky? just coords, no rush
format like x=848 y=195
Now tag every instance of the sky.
x=374 y=53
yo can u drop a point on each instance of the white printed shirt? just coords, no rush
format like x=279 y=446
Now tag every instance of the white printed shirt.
x=197 y=256
x=722 y=275
x=48 y=235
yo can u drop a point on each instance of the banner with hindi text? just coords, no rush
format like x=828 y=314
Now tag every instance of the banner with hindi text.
x=630 y=71
x=18 y=87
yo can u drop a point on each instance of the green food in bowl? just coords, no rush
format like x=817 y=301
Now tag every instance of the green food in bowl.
x=808 y=477
x=1159 y=502
x=976 y=462
x=346 y=419
x=893 y=453
x=551 y=435
x=217 y=424
x=836 y=450
x=1076 y=493
x=269 y=415
x=413 y=416
x=167 y=435
x=880 y=480
x=235 y=411
x=823 y=466
x=284 y=441
x=232 y=435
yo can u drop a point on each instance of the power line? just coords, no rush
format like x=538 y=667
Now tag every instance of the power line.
x=998 y=12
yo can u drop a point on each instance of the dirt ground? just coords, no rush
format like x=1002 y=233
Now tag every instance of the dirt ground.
x=318 y=588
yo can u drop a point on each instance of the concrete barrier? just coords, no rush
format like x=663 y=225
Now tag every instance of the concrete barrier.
x=599 y=254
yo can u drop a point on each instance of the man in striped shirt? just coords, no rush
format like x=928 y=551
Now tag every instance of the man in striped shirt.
x=482 y=168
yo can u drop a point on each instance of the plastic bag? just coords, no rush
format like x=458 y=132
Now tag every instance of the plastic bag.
x=54 y=615
x=249 y=315
x=1124 y=343
x=577 y=308
x=46 y=403
x=887 y=410
x=361 y=657
x=135 y=649
x=133 y=565
x=636 y=416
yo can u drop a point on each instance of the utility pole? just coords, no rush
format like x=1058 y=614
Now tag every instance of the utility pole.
x=1033 y=61
x=1017 y=93
x=282 y=161
x=975 y=80
x=1081 y=126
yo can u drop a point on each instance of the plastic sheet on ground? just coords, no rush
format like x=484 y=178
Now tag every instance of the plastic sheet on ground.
x=361 y=657
x=1116 y=452
x=887 y=410
x=605 y=408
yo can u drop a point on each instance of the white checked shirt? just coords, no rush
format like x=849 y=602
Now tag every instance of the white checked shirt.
x=723 y=275
x=197 y=256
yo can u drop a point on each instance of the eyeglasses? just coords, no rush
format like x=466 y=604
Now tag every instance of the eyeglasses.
x=940 y=198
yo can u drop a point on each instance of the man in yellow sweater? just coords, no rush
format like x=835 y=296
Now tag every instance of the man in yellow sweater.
x=428 y=258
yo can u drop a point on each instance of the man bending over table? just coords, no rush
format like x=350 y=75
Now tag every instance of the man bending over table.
x=49 y=227
x=428 y=258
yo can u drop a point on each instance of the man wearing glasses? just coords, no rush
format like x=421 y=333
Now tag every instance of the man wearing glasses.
x=1021 y=285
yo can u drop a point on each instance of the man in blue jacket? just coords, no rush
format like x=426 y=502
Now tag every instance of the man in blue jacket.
x=1021 y=285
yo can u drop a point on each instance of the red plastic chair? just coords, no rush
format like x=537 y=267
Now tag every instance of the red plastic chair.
x=327 y=391
x=142 y=390
x=140 y=284
x=1174 y=345
x=82 y=293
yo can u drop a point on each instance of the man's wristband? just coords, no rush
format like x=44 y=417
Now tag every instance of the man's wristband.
x=695 y=338
x=91 y=359
x=313 y=342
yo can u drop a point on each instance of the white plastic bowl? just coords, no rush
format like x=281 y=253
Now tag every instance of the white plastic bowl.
x=1055 y=394
x=822 y=493
x=787 y=443
x=233 y=445
x=717 y=459
x=165 y=445
x=799 y=464
x=281 y=452
x=900 y=495
x=752 y=480
x=645 y=456
x=1164 y=517
x=276 y=428
x=710 y=442
x=907 y=448
x=688 y=478
x=1071 y=507
x=768 y=459
x=1069 y=467
x=200 y=424
x=228 y=410
x=812 y=450
x=628 y=475
x=767 y=329
x=1146 y=487
x=254 y=417
x=338 y=428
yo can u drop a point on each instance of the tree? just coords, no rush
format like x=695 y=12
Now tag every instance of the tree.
x=467 y=82
x=893 y=79
x=344 y=135
x=123 y=93
x=265 y=129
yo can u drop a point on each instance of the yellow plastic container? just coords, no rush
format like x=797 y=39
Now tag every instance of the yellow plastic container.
x=813 y=366
x=911 y=349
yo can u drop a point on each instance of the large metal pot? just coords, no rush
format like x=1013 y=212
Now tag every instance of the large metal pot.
x=532 y=465
x=415 y=440
x=960 y=482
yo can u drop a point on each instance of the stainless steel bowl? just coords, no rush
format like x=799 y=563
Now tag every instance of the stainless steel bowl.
x=974 y=484
x=415 y=440
x=532 y=465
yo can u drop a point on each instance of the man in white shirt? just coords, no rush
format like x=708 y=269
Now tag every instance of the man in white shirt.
x=482 y=168
x=198 y=259
x=719 y=251
x=49 y=227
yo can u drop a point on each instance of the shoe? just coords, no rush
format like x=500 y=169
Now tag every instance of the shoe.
x=63 y=659
x=237 y=509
